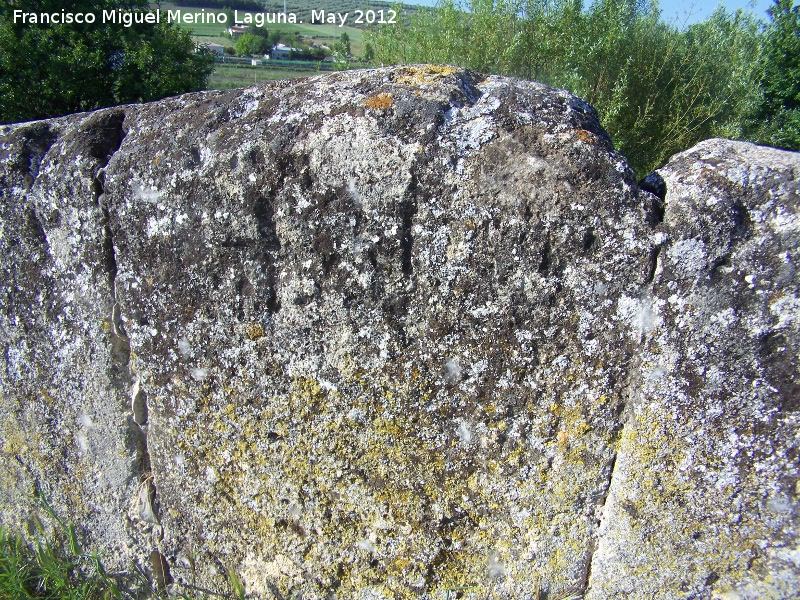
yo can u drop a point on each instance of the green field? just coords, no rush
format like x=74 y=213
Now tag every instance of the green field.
x=227 y=77
x=211 y=32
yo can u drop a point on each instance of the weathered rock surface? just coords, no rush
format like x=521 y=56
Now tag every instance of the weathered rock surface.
x=404 y=332
x=705 y=490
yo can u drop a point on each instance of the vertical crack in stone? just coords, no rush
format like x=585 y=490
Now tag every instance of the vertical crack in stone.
x=269 y=244
x=652 y=265
x=395 y=305
x=139 y=404
x=655 y=205
x=627 y=387
x=408 y=208
x=105 y=136
x=544 y=263
x=587 y=575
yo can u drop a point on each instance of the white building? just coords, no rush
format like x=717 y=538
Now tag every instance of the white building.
x=236 y=30
x=214 y=48
x=281 y=51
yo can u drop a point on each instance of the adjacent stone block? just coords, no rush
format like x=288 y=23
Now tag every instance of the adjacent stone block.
x=704 y=495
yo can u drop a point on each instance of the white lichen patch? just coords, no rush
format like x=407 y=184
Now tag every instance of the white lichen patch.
x=689 y=257
x=786 y=310
x=642 y=315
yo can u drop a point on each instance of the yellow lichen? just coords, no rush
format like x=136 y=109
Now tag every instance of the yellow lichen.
x=425 y=74
x=365 y=455
x=254 y=331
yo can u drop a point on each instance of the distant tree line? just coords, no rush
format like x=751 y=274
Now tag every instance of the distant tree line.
x=249 y=5
x=659 y=89
x=303 y=8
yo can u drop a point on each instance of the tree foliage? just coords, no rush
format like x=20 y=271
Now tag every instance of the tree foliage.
x=341 y=52
x=248 y=44
x=657 y=88
x=780 y=112
x=54 y=69
x=341 y=48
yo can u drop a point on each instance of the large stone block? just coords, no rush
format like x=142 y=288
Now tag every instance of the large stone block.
x=405 y=332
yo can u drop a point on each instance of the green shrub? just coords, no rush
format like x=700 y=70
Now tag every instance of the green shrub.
x=658 y=89
x=779 y=113
x=53 y=69
x=248 y=44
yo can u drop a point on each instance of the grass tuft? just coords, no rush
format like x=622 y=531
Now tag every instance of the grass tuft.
x=51 y=569
x=236 y=584
x=52 y=566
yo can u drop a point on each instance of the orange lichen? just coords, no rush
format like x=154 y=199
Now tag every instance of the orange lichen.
x=586 y=136
x=379 y=102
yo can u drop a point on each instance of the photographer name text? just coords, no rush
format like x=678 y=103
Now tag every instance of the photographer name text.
x=129 y=18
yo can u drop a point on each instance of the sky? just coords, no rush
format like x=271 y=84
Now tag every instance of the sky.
x=684 y=12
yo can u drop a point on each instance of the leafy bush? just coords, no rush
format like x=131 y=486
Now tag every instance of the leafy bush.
x=248 y=44
x=780 y=110
x=54 y=69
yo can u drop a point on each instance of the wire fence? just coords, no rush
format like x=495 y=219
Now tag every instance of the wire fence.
x=293 y=65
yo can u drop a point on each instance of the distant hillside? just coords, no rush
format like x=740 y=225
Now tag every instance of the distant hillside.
x=303 y=7
x=232 y=4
